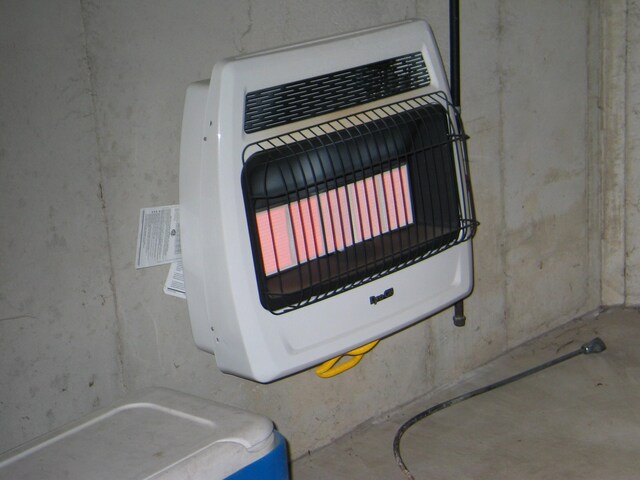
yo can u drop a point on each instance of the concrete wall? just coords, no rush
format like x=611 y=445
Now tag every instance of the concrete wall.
x=526 y=92
x=91 y=111
x=632 y=97
x=620 y=152
x=59 y=350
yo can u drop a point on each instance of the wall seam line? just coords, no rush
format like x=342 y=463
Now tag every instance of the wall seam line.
x=101 y=194
x=501 y=161
x=626 y=152
x=593 y=138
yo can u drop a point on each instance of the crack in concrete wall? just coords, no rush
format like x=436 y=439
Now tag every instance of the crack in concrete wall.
x=84 y=16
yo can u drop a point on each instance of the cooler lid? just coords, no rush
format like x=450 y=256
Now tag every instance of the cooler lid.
x=155 y=434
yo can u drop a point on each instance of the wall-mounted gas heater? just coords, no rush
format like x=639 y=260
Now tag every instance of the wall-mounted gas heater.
x=324 y=199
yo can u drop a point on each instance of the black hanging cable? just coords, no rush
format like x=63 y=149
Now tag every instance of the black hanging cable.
x=454 y=51
x=459 y=319
x=594 y=346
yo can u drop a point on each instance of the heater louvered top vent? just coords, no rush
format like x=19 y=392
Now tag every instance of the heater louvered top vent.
x=283 y=104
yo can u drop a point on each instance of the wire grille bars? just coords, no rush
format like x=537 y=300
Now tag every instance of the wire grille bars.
x=337 y=205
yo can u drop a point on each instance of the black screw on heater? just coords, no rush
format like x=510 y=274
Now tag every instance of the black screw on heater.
x=459 y=319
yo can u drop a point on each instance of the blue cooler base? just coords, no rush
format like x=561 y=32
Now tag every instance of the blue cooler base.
x=273 y=466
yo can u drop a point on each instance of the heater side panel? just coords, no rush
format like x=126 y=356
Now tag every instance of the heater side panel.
x=191 y=212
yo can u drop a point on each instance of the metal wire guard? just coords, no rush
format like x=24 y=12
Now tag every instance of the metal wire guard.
x=351 y=200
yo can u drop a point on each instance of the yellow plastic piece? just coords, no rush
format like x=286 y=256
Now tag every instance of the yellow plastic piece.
x=329 y=369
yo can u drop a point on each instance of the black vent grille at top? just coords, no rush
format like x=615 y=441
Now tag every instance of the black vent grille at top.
x=283 y=104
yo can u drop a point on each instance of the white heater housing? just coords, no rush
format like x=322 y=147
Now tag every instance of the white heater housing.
x=353 y=255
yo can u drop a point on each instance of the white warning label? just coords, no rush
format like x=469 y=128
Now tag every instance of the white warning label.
x=174 y=285
x=158 y=236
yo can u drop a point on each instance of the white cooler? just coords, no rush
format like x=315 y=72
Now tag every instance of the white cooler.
x=156 y=434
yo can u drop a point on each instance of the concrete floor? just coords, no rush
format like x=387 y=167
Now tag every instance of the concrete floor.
x=579 y=419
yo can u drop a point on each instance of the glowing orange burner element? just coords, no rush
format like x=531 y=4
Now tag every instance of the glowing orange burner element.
x=334 y=220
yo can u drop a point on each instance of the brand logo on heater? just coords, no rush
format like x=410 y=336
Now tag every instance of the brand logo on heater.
x=374 y=299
